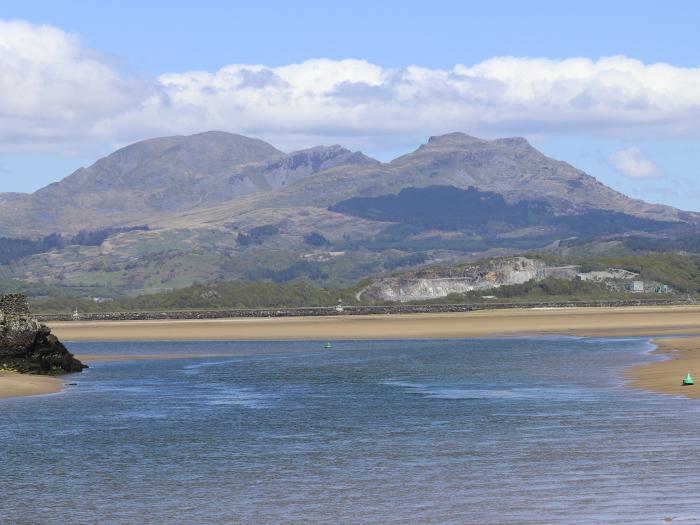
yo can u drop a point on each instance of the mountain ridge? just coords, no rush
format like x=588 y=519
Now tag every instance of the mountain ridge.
x=168 y=175
x=216 y=206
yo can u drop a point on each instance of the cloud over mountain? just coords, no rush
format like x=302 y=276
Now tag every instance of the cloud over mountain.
x=53 y=90
x=632 y=163
x=59 y=95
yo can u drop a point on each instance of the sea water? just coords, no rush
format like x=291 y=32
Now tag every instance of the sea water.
x=507 y=431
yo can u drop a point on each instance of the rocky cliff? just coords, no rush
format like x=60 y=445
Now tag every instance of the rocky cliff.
x=27 y=346
x=433 y=284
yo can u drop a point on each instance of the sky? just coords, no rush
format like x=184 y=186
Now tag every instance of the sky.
x=610 y=87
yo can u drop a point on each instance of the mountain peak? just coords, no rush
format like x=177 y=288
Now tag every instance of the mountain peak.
x=454 y=138
x=514 y=142
x=172 y=174
x=457 y=138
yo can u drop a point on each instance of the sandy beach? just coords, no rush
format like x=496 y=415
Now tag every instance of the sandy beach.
x=626 y=321
x=665 y=377
x=19 y=385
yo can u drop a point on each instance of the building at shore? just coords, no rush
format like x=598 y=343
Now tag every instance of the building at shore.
x=14 y=305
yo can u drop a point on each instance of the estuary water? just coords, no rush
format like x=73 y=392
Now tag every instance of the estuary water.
x=502 y=431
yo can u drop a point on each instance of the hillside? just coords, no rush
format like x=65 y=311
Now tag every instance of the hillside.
x=136 y=182
x=514 y=169
x=158 y=177
x=166 y=213
x=511 y=168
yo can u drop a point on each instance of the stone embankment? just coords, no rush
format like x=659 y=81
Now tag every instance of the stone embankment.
x=349 y=310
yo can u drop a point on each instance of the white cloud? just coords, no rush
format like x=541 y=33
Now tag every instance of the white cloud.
x=53 y=90
x=631 y=163
x=57 y=95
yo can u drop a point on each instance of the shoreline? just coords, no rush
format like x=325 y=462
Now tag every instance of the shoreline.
x=23 y=385
x=640 y=321
x=581 y=321
x=665 y=377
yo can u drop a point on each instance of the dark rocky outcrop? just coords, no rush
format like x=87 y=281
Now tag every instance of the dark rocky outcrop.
x=29 y=347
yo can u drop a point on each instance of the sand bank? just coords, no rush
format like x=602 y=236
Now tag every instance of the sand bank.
x=624 y=321
x=665 y=377
x=18 y=385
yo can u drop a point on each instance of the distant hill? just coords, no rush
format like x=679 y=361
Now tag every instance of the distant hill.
x=511 y=168
x=187 y=209
x=152 y=176
x=514 y=169
x=161 y=176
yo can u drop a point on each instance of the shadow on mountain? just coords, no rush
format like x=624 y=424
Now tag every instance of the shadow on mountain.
x=484 y=215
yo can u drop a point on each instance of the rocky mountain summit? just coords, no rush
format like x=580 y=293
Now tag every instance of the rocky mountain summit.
x=29 y=347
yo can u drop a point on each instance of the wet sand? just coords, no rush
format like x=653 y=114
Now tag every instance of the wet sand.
x=625 y=321
x=665 y=377
x=23 y=385
x=19 y=385
x=102 y=358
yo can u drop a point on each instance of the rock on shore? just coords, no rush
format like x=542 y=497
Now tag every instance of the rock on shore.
x=29 y=347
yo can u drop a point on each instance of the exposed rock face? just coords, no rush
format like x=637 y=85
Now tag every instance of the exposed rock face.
x=27 y=346
x=433 y=284
x=293 y=167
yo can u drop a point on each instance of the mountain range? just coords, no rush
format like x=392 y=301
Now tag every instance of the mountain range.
x=166 y=212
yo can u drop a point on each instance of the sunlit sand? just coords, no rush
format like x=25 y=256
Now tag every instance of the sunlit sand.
x=18 y=385
x=626 y=321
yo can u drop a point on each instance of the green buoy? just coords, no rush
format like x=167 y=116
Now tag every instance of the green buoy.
x=328 y=345
x=688 y=380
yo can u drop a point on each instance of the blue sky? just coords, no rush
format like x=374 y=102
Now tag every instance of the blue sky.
x=143 y=54
x=158 y=36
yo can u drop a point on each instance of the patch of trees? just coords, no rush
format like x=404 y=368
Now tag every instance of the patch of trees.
x=687 y=243
x=401 y=237
x=550 y=287
x=221 y=295
x=412 y=259
x=257 y=235
x=316 y=239
x=443 y=208
x=449 y=208
x=311 y=270
x=604 y=222
x=13 y=249
x=680 y=272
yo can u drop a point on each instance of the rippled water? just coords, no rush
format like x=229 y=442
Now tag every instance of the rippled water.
x=514 y=431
